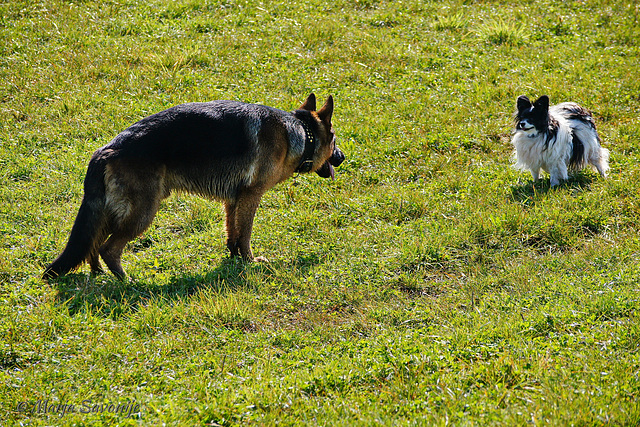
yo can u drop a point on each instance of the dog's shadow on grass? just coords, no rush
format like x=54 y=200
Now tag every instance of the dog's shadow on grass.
x=530 y=193
x=104 y=295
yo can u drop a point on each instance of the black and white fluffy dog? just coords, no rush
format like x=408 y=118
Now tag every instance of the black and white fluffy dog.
x=556 y=139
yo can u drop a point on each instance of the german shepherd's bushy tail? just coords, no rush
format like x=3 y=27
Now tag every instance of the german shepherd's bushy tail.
x=88 y=229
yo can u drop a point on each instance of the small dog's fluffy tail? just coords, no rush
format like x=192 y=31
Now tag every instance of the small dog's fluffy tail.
x=88 y=226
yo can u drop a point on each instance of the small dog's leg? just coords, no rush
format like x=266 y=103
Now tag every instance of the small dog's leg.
x=535 y=174
x=601 y=163
x=601 y=170
x=558 y=173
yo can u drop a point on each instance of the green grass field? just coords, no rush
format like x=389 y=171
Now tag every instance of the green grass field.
x=430 y=284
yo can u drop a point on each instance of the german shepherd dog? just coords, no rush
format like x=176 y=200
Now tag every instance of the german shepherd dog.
x=226 y=150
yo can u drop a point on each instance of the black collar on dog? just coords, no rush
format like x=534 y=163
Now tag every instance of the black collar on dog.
x=306 y=163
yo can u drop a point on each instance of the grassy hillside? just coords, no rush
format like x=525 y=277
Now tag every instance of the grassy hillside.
x=431 y=283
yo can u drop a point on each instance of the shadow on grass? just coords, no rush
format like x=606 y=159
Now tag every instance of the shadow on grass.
x=107 y=296
x=530 y=193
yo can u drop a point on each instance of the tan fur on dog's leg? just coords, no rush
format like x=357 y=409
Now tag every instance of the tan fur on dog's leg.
x=133 y=198
x=232 y=229
x=94 y=262
x=248 y=202
x=111 y=252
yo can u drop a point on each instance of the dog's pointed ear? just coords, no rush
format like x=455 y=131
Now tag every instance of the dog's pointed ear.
x=327 y=110
x=310 y=103
x=542 y=103
x=523 y=103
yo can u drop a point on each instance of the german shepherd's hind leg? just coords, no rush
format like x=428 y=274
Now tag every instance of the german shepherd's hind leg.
x=133 y=198
x=111 y=253
x=232 y=230
x=247 y=205
x=131 y=227
x=94 y=262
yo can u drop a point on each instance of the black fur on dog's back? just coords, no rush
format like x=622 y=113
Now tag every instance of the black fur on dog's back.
x=572 y=111
x=191 y=141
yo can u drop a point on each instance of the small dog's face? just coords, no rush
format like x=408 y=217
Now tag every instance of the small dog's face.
x=532 y=118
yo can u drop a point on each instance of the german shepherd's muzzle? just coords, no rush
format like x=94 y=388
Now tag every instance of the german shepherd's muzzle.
x=225 y=150
x=336 y=159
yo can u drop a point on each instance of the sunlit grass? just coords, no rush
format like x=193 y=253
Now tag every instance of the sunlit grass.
x=431 y=283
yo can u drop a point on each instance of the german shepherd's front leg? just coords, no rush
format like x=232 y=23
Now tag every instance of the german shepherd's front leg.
x=246 y=207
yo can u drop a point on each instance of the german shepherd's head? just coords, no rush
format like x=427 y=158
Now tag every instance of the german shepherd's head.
x=327 y=154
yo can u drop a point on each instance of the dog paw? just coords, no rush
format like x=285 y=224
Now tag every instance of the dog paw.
x=260 y=259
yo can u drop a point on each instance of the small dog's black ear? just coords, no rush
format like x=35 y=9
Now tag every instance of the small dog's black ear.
x=310 y=103
x=542 y=103
x=523 y=103
x=327 y=110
